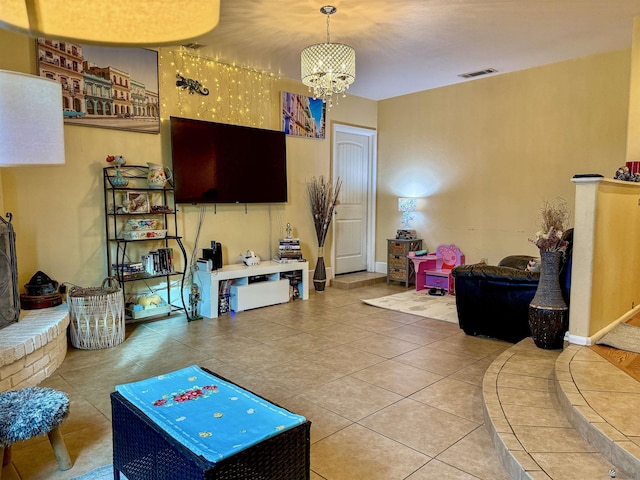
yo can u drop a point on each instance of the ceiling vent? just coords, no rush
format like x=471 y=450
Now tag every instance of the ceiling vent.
x=478 y=73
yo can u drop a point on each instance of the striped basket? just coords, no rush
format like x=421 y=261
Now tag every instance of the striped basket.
x=96 y=315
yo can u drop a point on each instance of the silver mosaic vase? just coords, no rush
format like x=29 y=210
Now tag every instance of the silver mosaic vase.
x=548 y=312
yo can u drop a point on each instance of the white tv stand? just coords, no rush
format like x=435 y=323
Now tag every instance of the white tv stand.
x=245 y=295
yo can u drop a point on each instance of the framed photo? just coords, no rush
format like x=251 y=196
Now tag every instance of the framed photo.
x=138 y=202
x=103 y=86
x=303 y=116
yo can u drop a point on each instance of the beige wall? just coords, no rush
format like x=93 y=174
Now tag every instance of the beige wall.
x=633 y=139
x=606 y=279
x=615 y=290
x=483 y=155
x=59 y=213
x=606 y=259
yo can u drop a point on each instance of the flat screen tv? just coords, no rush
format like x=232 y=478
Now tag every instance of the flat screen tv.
x=221 y=163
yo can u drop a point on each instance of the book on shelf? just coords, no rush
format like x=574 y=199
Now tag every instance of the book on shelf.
x=289 y=241
x=290 y=253
x=127 y=269
x=278 y=259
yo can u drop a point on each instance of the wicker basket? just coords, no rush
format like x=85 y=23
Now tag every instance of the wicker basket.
x=96 y=315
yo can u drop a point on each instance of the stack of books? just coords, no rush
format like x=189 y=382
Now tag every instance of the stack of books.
x=289 y=250
x=158 y=262
x=128 y=270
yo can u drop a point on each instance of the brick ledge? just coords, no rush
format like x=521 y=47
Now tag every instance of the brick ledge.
x=34 y=347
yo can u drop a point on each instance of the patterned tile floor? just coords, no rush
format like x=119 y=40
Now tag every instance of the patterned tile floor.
x=392 y=396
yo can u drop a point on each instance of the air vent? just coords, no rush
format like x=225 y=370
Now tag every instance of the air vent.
x=478 y=73
x=193 y=45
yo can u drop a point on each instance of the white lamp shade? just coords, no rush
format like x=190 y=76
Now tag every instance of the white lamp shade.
x=112 y=22
x=31 y=123
x=406 y=204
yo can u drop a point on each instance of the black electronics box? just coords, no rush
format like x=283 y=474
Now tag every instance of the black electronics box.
x=214 y=254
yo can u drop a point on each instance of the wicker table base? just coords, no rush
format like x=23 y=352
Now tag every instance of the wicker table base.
x=142 y=451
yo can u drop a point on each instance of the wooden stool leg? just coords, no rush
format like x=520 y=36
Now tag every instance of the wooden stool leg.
x=60 y=449
x=2 y=451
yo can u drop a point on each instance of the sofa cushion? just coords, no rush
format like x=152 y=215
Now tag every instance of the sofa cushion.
x=516 y=261
x=497 y=273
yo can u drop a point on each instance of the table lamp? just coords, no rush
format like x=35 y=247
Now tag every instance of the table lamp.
x=406 y=205
x=31 y=133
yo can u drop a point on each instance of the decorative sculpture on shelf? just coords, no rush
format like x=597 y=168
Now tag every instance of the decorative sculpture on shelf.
x=192 y=85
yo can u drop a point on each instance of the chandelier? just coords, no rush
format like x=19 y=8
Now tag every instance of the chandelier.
x=328 y=68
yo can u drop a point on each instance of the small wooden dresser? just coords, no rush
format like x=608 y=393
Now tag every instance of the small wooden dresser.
x=399 y=268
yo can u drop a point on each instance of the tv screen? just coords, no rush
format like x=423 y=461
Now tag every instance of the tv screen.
x=221 y=163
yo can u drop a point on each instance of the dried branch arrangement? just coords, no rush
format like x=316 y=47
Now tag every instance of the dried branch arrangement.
x=323 y=198
x=555 y=220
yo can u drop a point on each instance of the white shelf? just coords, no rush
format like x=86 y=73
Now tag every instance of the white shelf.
x=260 y=293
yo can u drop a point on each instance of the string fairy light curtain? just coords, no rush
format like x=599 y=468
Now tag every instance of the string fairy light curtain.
x=237 y=95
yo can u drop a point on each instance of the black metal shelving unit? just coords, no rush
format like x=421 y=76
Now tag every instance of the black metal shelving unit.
x=122 y=251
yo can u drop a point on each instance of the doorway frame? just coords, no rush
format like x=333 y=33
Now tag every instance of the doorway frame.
x=372 y=135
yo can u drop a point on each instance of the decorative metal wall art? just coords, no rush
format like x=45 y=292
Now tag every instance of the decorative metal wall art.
x=194 y=86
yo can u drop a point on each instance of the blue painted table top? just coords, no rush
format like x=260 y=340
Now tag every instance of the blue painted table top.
x=211 y=417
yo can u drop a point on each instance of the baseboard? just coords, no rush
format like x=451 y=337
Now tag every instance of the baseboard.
x=381 y=267
x=586 y=341
x=578 y=339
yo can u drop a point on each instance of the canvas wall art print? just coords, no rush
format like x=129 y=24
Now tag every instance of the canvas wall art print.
x=103 y=86
x=303 y=116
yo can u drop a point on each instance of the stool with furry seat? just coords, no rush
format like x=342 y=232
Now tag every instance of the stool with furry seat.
x=34 y=411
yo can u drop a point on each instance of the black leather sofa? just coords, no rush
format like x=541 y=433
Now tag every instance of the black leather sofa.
x=493 y=300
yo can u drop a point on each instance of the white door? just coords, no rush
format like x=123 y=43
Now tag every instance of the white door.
x=354 y=162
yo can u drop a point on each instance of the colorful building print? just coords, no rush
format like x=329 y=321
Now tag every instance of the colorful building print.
x=99 y=91
x=303 y=116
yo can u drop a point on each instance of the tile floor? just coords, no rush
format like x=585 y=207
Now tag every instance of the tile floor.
x=391 y=396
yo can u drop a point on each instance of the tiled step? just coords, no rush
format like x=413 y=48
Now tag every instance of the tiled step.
x=356 y=280
x=601 y=402
x=533 y=436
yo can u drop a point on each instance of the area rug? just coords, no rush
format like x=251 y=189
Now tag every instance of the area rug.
x=623 y=337
x=419 y=303
x=100 y=473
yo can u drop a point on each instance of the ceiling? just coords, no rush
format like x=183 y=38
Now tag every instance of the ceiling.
x=404 y=46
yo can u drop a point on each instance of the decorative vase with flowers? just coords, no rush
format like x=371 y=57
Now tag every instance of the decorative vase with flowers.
x=548 y=311
x=117 y=180
x=323 y=198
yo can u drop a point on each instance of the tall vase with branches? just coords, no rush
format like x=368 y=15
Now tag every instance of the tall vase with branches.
x=323 y=197
x=548 y=311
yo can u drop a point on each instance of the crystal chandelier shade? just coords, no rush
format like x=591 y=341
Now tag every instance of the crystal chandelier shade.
x=328 y=68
